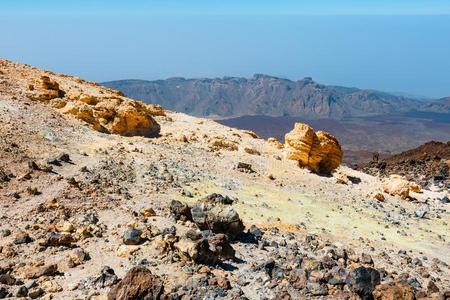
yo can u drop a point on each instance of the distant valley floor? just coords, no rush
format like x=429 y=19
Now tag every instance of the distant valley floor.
x=359 y=136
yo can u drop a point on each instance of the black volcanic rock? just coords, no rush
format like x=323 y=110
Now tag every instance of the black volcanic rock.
x=267 y=95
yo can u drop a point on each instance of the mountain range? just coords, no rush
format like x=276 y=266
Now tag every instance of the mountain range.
x=272 y=96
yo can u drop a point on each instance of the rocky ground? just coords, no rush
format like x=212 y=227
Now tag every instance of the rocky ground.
x=194 y=210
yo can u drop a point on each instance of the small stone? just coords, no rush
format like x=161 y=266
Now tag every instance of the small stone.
x=148 y=212
x=7 y=279
x=5 y=232
x=132 y=236
x=36 y=272
x=22 y=291
x=63 y=157
x=317 y=289
x=22 y=238
x=138 y=283
x=420 y=213
x=380 y=197
x=107 y=277
x=78 y=256
x=432 y=287
x=36 y=293
x=4 y=292
x=180 y=210
x=363 y=281
x=51 y=286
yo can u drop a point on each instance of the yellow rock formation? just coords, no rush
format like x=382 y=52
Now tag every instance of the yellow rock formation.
x=318 y=151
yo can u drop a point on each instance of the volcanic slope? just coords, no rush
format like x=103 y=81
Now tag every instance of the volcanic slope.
x=75 y=197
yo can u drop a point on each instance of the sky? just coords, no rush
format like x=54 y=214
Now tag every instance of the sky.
x=394 y=46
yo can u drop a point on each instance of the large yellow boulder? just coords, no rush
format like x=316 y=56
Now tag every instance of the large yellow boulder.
x=318 y=151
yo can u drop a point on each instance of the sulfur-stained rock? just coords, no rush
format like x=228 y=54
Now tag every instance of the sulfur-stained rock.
x=274 y=142
x=318 y=151
x=395 y=185
x=156 y=110
x=116 y=115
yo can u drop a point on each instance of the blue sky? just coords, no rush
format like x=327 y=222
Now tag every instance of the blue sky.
x=399 y=46
x=234 y=6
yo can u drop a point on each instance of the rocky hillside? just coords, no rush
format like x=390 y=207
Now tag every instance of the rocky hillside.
x=428 y=164
x=103 y=197
x=267 y=95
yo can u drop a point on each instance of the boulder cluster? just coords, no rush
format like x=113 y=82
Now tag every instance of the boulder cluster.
x=318 y=151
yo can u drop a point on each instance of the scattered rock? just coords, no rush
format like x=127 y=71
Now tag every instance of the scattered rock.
x=22 y=238
x=36 y=272
x=244 y=167
x=218 y=218
x=180 y=211
x=132 y=236
x=138 y=283
x=363 y=281
x=106 y=278
x=221 y=247
x=55 y=239
x=148 y=212
x=394 y=291
x=380 y=197
x=22 y=291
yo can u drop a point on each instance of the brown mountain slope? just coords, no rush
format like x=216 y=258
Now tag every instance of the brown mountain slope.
x=426 y=164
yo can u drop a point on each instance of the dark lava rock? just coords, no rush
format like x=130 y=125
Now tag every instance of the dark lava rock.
x=217 y=218
x=138 y=283
x=245 y=167
x=22 y=238
x=22 y=291
x=180 y=210
x=218 y=198
x=363 y=281
x=132 y=236
x=36 y=293
x=445 y=200
x=4 y=292
x=256 y=232
x=64 y=157
x=7 y=279
x=107 y=277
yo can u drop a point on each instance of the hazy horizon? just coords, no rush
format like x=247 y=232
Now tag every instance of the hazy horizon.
x=399 y=47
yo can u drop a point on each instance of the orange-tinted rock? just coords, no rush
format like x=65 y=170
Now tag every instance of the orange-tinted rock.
x=318 y=151
x=46 y=89
x=138 y=283
x=393 y=291
x=113 y=115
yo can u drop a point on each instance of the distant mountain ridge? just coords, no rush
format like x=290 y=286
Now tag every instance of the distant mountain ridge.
x=268 y=95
